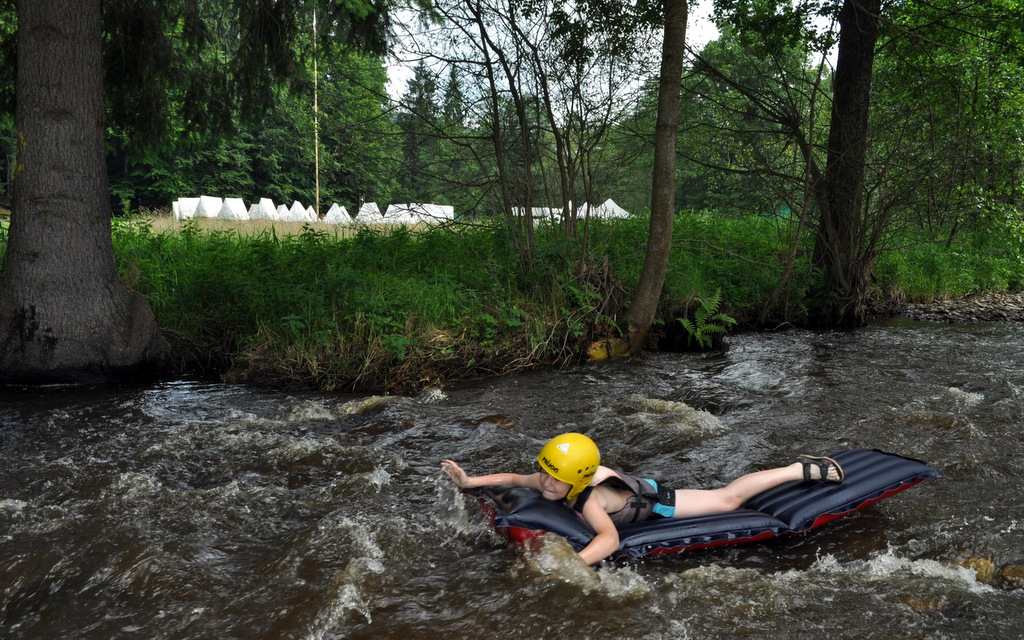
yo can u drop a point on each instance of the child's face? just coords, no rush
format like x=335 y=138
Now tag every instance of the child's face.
x=552 y=488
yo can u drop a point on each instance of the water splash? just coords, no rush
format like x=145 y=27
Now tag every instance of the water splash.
x=676 y=415
x=309 y=411
x=433 y=395
x=12 y=508
x=349 y=584
x=916 y=574
x=370 y=404
x=965 y=398
x=453 y=510
x=134 y=487
x=552 y=558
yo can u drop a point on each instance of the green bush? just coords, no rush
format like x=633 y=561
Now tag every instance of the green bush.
x=738 y=256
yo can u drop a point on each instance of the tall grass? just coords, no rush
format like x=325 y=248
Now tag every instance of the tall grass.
x=741 y=257
x=925 y=267
x=385 y=308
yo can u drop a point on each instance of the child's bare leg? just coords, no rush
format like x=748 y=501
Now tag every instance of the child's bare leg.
x=692 y=502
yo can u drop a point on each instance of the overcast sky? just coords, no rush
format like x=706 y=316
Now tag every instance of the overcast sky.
x=699 y=31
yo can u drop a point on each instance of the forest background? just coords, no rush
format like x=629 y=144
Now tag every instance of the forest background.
x=516 y=113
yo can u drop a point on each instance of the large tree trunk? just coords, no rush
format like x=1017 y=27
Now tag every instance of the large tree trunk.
x=842 y=234
x=64 y=314
x=663 y=185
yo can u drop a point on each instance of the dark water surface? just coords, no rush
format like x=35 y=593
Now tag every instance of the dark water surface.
x=202 y=511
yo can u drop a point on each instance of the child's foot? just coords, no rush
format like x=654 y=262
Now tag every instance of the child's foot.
x=821 y=469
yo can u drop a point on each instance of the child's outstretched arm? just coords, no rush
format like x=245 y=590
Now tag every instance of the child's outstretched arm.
x=465 y=481
x=600 y=547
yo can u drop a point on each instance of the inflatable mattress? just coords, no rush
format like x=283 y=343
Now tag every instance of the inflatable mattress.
x=521 y=515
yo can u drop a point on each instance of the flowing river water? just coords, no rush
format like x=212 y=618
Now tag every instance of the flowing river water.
x=195 y=510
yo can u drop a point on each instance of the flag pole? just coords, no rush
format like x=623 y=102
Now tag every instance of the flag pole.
x=316 y=118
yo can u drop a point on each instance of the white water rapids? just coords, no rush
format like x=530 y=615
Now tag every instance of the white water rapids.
x=192 y=510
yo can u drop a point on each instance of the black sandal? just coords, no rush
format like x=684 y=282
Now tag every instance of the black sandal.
x=823 y=463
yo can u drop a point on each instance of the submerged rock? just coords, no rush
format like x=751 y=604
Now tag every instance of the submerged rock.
x=1012 y=575
x=608 y=348
x=676 y=415
x=924 y=605
x=984 y=569
x=366 y=405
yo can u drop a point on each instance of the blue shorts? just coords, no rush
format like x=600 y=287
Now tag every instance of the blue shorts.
x=666 y=506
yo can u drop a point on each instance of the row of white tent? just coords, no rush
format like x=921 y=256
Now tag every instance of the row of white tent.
x=369 y=212
x=607 y=209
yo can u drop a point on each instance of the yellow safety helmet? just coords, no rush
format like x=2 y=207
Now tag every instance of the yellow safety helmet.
x=572 y=458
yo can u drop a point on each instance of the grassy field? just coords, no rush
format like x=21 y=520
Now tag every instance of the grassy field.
x=162 y=223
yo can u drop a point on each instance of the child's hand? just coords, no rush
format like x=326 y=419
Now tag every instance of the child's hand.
x=455 y=472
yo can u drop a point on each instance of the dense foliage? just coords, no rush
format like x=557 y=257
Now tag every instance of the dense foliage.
x=397 y=309
x=947 y=108
x=375 y=309
x=274 y=158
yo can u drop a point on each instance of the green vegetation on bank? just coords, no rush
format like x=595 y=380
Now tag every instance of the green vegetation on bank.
x=397 y=309
x=378 y=309
x=925 y=267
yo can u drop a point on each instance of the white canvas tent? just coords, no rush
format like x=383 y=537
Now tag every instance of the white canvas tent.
x=436 y=213
x=369 y=213
x=609 y=209
x=209 y=207
x=337 y=215
x=264 y=210
x=298 y=213
x=401 y=214
x=184 y=208
x=233 y=209
x=419 y=212
x=585 y=209
x=540 y=215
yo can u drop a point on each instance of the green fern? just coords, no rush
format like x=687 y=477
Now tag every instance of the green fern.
x=708 y=320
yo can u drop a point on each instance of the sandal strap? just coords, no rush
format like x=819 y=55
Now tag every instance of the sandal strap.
x=823 y=463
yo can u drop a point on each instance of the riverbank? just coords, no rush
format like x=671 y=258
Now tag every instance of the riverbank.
x=970 y=309
x=397 y=309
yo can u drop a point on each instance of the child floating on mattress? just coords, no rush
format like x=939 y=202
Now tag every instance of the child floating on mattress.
x=570 y=470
